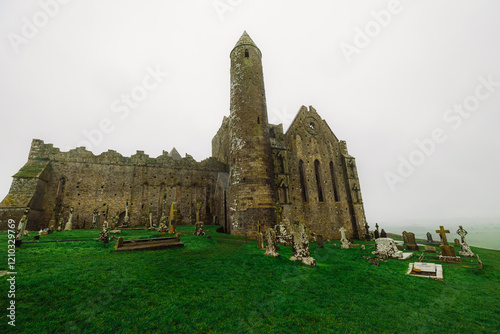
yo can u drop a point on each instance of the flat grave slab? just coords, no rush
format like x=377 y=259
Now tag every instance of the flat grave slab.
x=424 y=269
x=406 y=256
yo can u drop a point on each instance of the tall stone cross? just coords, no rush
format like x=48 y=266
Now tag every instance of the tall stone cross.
x=342 y=232
x=462 y=233
x=443 y=232
x=376 y=226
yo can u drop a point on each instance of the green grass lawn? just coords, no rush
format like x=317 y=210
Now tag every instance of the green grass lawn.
x=224 y=284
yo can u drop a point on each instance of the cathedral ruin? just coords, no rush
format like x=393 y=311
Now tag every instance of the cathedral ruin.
x=254 y=167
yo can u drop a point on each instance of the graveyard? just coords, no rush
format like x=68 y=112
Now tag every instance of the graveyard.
x=68 y=282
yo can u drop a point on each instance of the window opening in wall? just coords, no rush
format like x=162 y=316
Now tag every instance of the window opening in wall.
x=318 y=180
x=303 y=180
x=334 y=182
x=246 y=53
x=281 y=165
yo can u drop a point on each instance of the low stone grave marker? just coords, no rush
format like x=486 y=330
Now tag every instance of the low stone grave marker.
x=430 y=249
x=386 y=248
x=148 y=244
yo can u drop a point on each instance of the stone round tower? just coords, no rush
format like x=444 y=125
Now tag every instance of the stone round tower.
x=251 y=200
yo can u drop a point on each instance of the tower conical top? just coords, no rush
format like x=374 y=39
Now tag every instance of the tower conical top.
x=245 y=40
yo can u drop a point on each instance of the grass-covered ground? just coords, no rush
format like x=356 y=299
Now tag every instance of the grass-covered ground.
x=224 y=285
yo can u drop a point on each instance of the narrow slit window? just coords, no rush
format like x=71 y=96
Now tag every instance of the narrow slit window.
x=258 y=120
x=246 y=53
x=334 y=182
x=318 y=180
x=303 y=180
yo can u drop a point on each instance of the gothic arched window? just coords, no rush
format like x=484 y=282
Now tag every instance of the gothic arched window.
x=334 y=182
x=318 y=180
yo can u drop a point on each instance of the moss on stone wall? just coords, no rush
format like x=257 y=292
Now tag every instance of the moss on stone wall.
x=31 y=169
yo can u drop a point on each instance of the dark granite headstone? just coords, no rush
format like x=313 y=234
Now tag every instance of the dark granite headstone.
x=383 y=234
x=429 y=237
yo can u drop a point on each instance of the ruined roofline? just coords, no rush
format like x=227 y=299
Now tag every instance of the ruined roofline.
x=41 y=151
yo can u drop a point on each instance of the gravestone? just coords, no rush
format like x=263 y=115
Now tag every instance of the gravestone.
x=69 y=224
x=405 y=237
x=447 y=251
x=60 y=226
x=411 y=244
x=300 y=246
x=283 y=233
x=464 y=249
x=376 y=233
x=126 y=219
x=344 y=243
x=320 y=241
x=457 y=243
x=163 y=224
x=429 y=237
x=386 y=248
x=198 y=229
x=260 y=243
x=21 y=228
x=94 y=219
x=271 y=249
x=383 y=234
x=173 y=218
x=425 y=269
x=104 y=234
x=430 y=249
x=368 y=236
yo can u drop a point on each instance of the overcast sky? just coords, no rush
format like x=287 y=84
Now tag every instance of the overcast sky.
x=385 y=75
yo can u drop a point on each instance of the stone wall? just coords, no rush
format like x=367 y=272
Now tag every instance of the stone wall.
x=87 y=182
x=320 y=195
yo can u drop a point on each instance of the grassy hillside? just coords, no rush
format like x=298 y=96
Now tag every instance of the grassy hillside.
x=225 y=285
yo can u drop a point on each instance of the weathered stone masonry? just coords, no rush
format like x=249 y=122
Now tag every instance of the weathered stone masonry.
x=59 y=180
x=254 y=166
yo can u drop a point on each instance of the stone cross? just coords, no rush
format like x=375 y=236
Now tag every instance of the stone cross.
x=462 y=233
x=344 y=243
x=22 y=225
x=376 y=227
x=443 y=232
x=198 y=208
x=342 y=232
x=69 y=224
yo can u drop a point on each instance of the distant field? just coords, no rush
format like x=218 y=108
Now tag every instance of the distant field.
x=225 y=284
